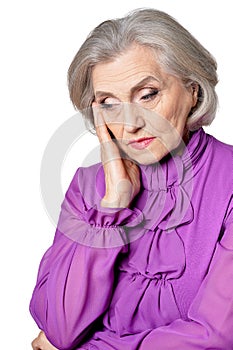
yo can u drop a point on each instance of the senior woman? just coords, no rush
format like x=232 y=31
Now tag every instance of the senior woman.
x=143 y=252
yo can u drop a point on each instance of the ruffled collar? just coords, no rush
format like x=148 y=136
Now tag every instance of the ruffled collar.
x=167 y=186
x=175 y=169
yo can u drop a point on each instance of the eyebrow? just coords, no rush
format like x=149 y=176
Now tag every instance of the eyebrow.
x=139 y=85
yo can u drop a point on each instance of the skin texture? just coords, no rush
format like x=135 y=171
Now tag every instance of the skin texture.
x=134 y=99
x=145 y=109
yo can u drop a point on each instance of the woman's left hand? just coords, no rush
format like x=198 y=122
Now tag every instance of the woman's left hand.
x=42 y=343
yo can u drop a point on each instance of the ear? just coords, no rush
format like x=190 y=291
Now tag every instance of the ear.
x=194 y=90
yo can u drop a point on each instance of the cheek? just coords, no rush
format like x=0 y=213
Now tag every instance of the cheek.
x=177 y=112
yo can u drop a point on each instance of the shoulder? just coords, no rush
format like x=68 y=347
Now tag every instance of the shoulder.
x=89 y=183
x=222 y=154
x=223 y=157
x=91 y=177
x=221 y=165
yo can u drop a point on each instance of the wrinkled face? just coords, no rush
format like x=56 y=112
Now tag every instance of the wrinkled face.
x=144 y=107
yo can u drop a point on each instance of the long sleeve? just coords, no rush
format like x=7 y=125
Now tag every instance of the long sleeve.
x=210 y=324
x=76 y=275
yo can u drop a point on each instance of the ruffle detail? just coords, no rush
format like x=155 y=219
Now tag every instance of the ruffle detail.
x=158 y=257
x=169 y=209
x=146 y=279
x=107 y=217
x=99 y=229
x=166 y=195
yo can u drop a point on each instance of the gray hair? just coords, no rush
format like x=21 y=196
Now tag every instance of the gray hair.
x=178 y=51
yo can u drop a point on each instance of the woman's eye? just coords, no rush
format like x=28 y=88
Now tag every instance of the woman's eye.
x=106 y=105
x=149 y=96
x=111 y=107
x=109 y=103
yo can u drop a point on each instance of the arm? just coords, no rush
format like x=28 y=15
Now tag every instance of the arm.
x=210 y=324
x=74 y=288
x=75 y=281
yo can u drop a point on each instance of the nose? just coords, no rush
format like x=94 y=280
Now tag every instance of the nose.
x=133 y=119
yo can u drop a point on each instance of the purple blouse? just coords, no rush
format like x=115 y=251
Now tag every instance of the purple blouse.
x=155 y=276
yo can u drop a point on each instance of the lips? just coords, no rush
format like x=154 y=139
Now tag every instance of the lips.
x=141 y=143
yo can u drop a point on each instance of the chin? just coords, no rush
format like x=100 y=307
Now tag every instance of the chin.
x=148 y=156
x=146 y=159
x=156 y=151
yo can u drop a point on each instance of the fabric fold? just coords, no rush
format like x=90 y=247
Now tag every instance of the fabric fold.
x=160 y=265
x=146 y=279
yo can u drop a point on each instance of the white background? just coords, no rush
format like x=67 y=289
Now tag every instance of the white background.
x=38 y=42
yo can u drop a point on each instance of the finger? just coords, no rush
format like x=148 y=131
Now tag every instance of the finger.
x=37 y=342
x=100 y=125
x=45 y=343
x=42 y=343
x=109 y=148
x=35 y=345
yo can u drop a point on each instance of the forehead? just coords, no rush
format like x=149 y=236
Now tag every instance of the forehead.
x=127 y=69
